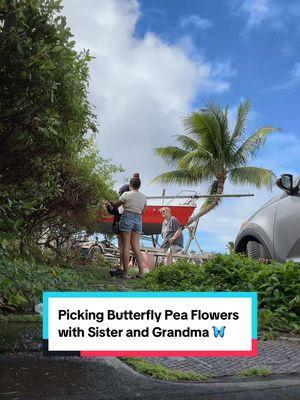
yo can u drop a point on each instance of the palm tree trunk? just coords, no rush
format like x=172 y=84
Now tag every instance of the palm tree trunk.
x=206 y=208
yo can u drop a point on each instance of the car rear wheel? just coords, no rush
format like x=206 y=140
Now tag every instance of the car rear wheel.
x=94 y=251
x=256 y=251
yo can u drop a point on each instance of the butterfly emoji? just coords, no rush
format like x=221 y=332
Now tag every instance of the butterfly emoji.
x=219 y=332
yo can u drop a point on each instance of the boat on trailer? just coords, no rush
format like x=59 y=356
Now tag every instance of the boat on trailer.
x=152 y=218
x=152 y=223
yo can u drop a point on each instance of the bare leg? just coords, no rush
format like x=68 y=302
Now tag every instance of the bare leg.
x=125 y=238
x=169 y=258
x=135 y=244
x=120 y=250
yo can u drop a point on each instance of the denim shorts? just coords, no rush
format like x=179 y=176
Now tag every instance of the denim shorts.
x=130 y=221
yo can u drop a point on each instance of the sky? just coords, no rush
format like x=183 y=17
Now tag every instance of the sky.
x=155 y=61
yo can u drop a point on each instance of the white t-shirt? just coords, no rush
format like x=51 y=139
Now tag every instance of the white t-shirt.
x=133 y=201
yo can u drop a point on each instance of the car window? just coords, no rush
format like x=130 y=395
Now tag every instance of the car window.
x=274 y=199
x=296 y=183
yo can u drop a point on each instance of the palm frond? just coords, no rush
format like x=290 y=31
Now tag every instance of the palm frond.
x=200 y=158
x=187 y=142
x=242 y=115
x=251 y=146
x=255 y=176
x=209 y=152
x=225 y=137
x=183 y=177
x=204 y=128
x=172 y=154
x=202 y=173
x=214 y=123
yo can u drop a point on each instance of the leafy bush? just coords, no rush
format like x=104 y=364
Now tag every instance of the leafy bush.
x=278 y=285
x=52 y=179
x=23 y=281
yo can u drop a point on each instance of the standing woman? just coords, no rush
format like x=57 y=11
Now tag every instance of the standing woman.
x=130 y=225
x=172 y=235
x=115 y=211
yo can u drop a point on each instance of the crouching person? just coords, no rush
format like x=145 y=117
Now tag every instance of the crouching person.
x=172 y=235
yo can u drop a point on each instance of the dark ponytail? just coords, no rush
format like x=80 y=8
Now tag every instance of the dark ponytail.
x=135 y=183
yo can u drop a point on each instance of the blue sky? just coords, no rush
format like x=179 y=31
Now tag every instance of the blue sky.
x=261 y=47
x=155 y=61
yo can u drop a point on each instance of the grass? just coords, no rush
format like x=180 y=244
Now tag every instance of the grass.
x=160 y=372
x=157 y=371
x=20 y=318
x=253 y=372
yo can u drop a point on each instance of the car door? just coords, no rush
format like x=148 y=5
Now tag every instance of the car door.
x=287 y=228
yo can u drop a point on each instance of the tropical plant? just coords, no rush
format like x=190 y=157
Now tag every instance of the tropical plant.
x=230 y=247
x=23 y=280
x=277 y=285
x=51 y=173
x=210 y=152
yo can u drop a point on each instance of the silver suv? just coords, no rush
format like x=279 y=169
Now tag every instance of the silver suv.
x=273 y=232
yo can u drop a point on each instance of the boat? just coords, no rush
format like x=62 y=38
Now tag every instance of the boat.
x=152 y=218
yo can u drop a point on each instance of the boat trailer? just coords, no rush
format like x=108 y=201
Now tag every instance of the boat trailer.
x=152 y=221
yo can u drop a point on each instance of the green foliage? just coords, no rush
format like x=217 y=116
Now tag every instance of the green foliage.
x=209 y=152
x=50 y=170
x=230 y=247
x=160 y=372
x=278 y=285
x=21 y=318
x=22 y=282
x=254 y=372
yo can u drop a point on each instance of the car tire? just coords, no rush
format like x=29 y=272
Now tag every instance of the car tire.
x=256 y=251
x=96 y=249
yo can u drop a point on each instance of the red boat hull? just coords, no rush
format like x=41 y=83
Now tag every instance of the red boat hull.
x=152 y=219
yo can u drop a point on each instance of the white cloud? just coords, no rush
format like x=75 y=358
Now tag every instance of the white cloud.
x=259 y=12
x=141 y=87
x=270 y=14
x=224 y=222
x=195 y=21
x=223 y=69
x=294 y=78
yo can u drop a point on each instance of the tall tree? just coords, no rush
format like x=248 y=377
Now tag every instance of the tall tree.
x=48 y=164
x=209 y=152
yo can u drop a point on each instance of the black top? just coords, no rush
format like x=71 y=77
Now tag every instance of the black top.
x=124 y=188
x=115 y=211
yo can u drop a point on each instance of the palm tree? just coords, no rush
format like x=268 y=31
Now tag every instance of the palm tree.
x=209 y=152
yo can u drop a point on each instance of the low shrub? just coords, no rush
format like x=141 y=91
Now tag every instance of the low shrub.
x=278 y=285
x=22 y=282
